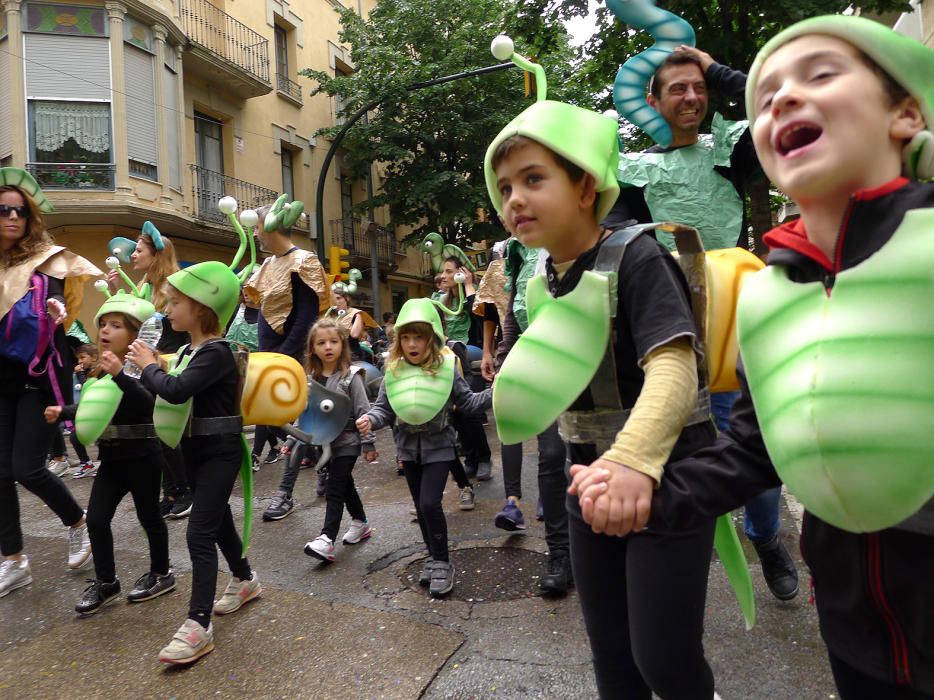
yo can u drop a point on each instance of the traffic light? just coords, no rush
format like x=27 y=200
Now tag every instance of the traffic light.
x=337 y=266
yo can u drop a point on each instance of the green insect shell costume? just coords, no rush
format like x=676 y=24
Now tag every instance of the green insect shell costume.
x=841 y=381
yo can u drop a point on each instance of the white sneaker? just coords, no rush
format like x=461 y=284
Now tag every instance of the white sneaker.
x=14 y=574
x=321 y=547
x=237 y=594
x=59 y=468
x=358 y=530
x=189 y=644
x=79 y=546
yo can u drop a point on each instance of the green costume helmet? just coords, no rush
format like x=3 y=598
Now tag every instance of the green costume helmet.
x=421 y=311
x=17 y=177
x=587 y=139
x=211 y=283
x=908 y=62
x=127 y=304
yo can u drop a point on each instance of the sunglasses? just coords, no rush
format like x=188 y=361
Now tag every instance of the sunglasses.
x=22 y=212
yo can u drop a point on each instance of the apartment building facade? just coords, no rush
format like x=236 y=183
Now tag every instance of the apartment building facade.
x=135 y=110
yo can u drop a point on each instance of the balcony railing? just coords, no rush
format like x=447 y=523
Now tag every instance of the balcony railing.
x=73 y=176
x=288 y=87
x=208 y=186
x=212 y=29
x=355 y=237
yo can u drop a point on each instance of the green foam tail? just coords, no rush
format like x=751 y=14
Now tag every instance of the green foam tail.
x=246 y=484
x=730 y=551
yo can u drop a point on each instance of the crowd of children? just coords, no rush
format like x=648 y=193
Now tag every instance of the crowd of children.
x=632 y=473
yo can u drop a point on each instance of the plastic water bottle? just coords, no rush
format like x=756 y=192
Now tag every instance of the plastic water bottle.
x=150 y=333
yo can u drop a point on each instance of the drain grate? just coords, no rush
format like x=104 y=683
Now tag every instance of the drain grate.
x=489 y=574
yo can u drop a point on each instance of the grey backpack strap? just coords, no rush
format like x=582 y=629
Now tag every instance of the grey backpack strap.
x=604 y=387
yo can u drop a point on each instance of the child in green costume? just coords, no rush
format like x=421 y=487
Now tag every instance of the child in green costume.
x=416 y=397
x=119 y=409
x=551 y=175
x=202 y=298
x=835 y=336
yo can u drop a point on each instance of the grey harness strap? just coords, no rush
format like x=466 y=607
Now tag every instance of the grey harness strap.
x=600 y=426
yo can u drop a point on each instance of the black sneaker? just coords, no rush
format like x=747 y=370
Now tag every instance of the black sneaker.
x=150 y=586
x=272 y=456
x=442 y=579
x=484 y=471
x=781 y=574
x=96 y=596
x=559 y=577
x=181 y=508
x=322 y=481
x=281 y=505
x=165 y=506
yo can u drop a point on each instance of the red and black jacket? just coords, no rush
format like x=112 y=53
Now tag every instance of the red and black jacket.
x=874 y=591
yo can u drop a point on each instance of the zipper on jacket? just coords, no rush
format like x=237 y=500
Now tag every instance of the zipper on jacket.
x=896 y=634
x=831 y=277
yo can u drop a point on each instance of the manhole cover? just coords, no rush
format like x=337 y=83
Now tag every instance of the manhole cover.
x=489 y=574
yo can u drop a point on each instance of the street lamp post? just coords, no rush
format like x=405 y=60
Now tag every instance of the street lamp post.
x=335 y=144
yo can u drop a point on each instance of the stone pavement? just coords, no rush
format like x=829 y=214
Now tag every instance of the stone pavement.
x=361 y=627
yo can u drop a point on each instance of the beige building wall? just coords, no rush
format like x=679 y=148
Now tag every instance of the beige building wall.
x=259 y=117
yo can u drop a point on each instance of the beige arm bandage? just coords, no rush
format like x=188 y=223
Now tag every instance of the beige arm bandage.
x=668 y=397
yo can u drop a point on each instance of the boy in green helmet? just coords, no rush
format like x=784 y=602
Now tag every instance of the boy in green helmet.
x=837 y=387
x=616 y=366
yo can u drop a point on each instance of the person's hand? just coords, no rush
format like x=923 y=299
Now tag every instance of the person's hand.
x=370 y=456
x=52 y=413
x=56 y=311
x=78 y=368
x=487 y=367
x=364 y=425
x=142 y=354
x=704 y=58
x=113 y=281
x=614 y=499
x=110 y=363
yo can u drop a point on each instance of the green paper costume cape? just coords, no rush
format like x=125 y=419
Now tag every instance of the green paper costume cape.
x=682 y=185
x=520 y=265
x=587 y=139
x=415 y=395
x=842 y=385
x=910 y=63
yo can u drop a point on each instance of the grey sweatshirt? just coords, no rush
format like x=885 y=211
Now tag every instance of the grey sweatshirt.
x=349 y=442
x=429 y=447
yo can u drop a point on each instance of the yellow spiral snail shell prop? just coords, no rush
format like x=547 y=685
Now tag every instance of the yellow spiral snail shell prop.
x=275 y=391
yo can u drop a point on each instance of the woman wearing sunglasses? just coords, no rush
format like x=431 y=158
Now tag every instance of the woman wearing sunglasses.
x=40 y=292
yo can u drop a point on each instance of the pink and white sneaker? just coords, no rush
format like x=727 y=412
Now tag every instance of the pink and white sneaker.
x=189 y=644
x=237 y=594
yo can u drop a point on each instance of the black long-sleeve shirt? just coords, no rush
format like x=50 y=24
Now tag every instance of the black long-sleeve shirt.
x=210 y=379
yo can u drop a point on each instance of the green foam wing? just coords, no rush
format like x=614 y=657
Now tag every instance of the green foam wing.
x=246 y=484
x=170 y=419
x=554 y=359
x=99 y=401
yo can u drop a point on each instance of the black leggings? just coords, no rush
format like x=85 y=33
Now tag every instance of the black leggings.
x=138 y=476
x=643 y=602
x=426 y=484
x=25 y=438
x=339 y=492
x=212 y=464
x=853 y=684
x=264 y=434
x=473 y=439
x=174 y=484
x=459 y=474
x=58 y=446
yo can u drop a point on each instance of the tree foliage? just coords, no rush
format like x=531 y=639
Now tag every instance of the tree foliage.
x=431 y=142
